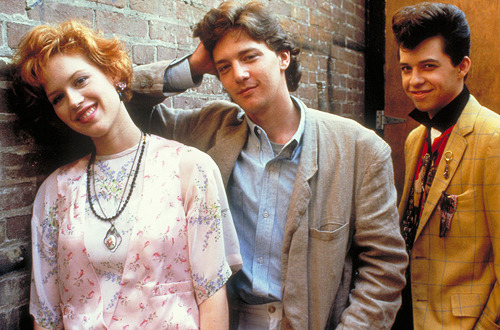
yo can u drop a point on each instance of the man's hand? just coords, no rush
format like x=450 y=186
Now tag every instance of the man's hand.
x=201 y=62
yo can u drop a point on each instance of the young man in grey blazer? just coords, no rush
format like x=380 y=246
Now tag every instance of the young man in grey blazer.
x=311 y=193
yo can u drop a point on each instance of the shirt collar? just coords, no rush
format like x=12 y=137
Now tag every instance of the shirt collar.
x=296 y=138
x=447 y=116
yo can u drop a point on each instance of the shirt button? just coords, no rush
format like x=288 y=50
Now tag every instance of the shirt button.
x=265 y=215
x=271 y=309
x=260 y=260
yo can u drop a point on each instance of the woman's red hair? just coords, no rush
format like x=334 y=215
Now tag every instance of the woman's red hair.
x=43 y=41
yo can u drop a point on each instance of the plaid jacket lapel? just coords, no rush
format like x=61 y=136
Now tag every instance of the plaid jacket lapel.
x=457 y=145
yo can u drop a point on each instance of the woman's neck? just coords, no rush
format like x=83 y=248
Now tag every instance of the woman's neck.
x=123 y=135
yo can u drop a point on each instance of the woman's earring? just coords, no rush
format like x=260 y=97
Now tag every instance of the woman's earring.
x=120 y=87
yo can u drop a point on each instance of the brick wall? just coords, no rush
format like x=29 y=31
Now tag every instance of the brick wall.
x=331 y=33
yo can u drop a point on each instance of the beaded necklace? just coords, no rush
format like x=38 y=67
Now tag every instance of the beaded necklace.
x=113 y=239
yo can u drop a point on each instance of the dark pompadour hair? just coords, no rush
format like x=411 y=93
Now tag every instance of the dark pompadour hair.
x=413 y=24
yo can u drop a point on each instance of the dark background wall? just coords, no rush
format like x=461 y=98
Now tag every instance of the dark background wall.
x=331 y=33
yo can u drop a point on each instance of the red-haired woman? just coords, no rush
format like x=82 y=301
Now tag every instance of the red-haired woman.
x=138 y=232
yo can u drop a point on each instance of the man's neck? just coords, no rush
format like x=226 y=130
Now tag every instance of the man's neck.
x=280 y=121
x=445 y=117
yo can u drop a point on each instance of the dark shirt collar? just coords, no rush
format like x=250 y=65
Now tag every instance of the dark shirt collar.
x=447 y=116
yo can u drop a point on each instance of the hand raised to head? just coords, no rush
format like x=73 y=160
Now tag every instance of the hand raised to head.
x=201 y=62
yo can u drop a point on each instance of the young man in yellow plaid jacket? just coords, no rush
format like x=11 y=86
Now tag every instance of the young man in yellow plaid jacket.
x=450 y=208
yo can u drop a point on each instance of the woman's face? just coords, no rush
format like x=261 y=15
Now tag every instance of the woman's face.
x=83 y=97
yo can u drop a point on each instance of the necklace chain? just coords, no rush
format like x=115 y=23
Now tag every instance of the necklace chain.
x=120 y=206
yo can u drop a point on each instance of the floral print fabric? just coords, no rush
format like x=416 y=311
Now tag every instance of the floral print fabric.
x=179 y=254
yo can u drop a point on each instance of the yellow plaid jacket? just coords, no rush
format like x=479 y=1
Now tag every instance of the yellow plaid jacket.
x=454 y=279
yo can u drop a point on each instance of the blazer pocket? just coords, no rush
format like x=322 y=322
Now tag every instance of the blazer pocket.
x=466 y=196
x=326 y=256
x=328 y=231
x=467 y=304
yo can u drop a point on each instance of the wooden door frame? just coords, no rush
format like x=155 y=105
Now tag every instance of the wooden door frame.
x=374 y=61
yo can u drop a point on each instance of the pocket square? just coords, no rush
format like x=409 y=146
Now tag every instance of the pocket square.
x=447 y=206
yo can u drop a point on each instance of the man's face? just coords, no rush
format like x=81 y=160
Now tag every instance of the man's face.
x=429 y=78
x=252 y=73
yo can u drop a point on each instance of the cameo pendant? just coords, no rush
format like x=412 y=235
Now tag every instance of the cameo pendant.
x=113 y=239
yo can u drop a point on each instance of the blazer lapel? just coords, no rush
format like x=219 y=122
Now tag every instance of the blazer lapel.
x=308 y=166
x=229 y=142
x=411 y=160
x=456 y=145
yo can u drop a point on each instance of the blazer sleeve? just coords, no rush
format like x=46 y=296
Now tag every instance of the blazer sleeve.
x=490 y=318
x=381 y=255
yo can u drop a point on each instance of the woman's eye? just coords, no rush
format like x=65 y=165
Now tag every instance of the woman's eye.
x=81 y=80
x=56 y=99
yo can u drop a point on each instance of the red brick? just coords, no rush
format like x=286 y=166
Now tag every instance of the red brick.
x=14 y=289
x=115 y=3
x=339 y=95
x=143 y=54
x=280 y=8
x=360 y=12
x=356 y=71
x=348 y=6
x=13 y=134
x=167 y=53
x=5 y=106
x=321 y=76
x=291 y=26
x=211 y=85
x=20 y=195
x=19 y=227
x=120 y=24
x=188 y=14
x=10 y=7
x=14 y=33
x=165 y=8
x=323 y=21
x=17 y=165
x=185 y=39
x=162 y=31
x=301 y=14
x=57 y=12
x=3 y=233
x=323 y=6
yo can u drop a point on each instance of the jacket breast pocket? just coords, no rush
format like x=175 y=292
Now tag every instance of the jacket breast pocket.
x=464 y=222
x=328 y=246
x=328 y=231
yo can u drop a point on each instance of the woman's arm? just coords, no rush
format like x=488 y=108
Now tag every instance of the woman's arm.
x=214 y=312
x=37 y=327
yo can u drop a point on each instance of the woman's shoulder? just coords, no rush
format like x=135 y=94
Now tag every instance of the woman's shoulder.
x=66 y=175
x=186 y=156
x=75 y=169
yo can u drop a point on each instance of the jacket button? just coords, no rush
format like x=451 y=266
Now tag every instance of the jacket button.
x=271 y=309
x=143 y=84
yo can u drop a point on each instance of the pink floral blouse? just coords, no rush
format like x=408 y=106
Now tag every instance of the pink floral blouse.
x=179 y=254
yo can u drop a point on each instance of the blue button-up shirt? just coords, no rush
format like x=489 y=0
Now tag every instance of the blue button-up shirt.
x=259 y=193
